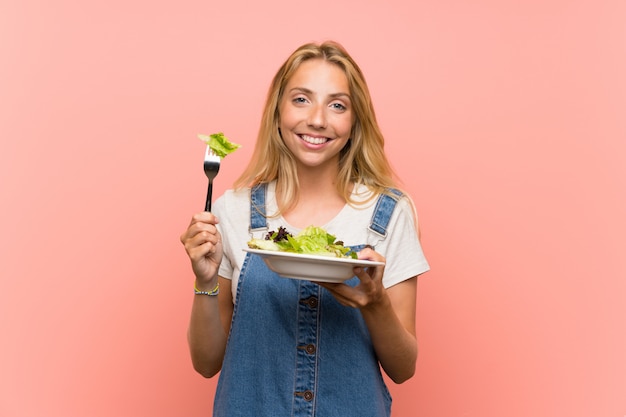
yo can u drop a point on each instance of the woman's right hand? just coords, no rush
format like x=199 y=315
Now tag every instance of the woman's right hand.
x=203 y=244
x=207 y=327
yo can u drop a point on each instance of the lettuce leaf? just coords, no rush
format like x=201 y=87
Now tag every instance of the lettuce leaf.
x=219 y=144
x=312 y=240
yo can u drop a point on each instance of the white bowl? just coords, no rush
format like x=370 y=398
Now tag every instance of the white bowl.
x=311 y=267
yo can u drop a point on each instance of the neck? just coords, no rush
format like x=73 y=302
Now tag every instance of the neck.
x=318 y=183
x=319 y=201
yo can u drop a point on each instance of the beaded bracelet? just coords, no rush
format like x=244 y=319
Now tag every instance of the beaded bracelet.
x=213 y=292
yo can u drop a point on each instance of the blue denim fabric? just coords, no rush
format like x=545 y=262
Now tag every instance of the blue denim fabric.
x=293 y=350
x=382 y=212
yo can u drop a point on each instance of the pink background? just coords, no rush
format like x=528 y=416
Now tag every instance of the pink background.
x=504 y=118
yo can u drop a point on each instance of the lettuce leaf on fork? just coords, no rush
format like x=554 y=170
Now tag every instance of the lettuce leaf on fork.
x=219 y=144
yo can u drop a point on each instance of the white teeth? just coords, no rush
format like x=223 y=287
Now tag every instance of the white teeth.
x=312 y=140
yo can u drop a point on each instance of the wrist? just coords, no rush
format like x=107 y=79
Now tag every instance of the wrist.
x=205 y=285
x=379 y=304
x=212 y=292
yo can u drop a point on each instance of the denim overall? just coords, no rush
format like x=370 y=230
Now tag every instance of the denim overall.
x=293 y=350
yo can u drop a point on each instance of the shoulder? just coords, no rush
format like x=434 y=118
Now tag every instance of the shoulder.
x=234 y=196
x=394 y=198
x=232 y=204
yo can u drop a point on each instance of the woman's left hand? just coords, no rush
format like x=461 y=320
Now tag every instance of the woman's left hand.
x=388 y=313
x=369 y=291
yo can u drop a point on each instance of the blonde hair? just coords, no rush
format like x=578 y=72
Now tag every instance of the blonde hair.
x=362 y=160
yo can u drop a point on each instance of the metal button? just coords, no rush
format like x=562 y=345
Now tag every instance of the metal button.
x=307 y=395
x=310 y=348
x=312 y=302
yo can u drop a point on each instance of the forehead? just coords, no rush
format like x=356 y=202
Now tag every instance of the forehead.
x=320 y=73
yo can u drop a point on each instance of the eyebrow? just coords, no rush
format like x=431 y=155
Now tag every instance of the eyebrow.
x=307 y=91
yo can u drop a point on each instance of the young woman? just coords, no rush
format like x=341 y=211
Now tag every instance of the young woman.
x=289 y=347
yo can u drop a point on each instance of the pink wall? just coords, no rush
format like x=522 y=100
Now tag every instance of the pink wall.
x=505 y=118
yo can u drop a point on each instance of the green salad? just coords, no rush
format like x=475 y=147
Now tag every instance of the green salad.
x=219 y=144
x=311 y=241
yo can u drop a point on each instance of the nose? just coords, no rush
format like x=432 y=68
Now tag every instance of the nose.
x=317 y=117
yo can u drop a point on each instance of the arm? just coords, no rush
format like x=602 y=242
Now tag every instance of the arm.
x=391 y=323
x=389 y=315
x=208 y=329
x=210 y=315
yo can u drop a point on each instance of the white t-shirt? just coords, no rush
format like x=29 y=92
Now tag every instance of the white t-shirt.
x=401 y=248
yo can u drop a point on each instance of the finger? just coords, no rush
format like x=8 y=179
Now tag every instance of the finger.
x=199 y=221
x=360 y=272
x=207 y=240
x=202 y=243
x=208 y=248
x=204 y=217
x=370 y=255
x=344 y=294
x=367 y=274
x=202 y=231
x=202 y=254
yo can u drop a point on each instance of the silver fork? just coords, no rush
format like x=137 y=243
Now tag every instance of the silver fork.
x=211 y=168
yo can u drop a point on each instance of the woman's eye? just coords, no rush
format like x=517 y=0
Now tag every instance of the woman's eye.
x=338 y=106
x=299 y=100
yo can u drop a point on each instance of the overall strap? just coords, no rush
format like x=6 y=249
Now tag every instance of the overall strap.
x=380 y=218
x=383 y=211
x=258 y=219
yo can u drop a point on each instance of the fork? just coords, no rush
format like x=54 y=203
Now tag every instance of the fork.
x=211 y=168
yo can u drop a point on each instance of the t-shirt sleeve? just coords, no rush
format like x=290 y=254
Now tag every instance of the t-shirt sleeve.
x=402 y=248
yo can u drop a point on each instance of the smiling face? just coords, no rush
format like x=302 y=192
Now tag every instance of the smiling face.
x=316 y=114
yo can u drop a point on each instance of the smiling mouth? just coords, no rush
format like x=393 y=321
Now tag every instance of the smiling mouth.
x=313 y=140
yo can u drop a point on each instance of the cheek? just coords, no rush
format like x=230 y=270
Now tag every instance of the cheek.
x=285 y=120
x=283 y=115
x=345 y=127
